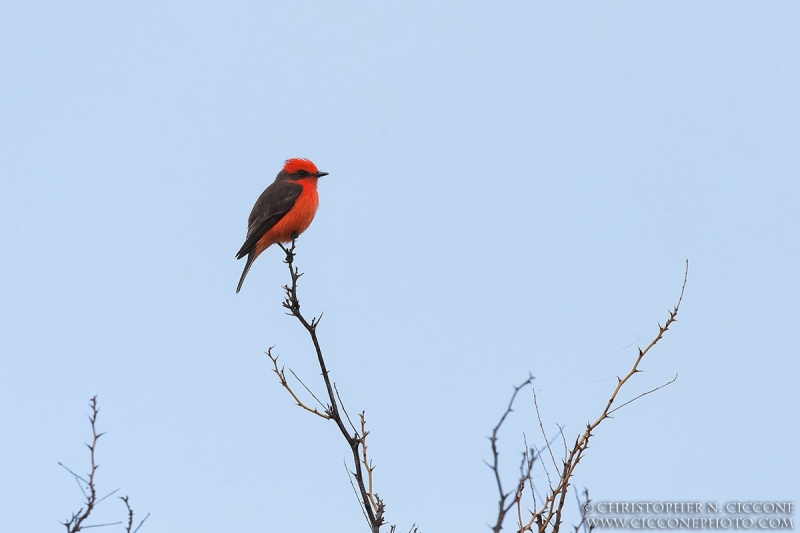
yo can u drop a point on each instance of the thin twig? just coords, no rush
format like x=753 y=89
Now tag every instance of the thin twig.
x=544 y=433
x=104 y=524
x=141 y=523
x=107 y=495
x=367 y=464
x=346 y=414
x=670 y=382
x=307 y=389
x=77 y=477
x=350 y=477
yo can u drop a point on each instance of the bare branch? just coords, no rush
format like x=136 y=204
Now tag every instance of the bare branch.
x=583 y=524
x=372 y=506
x=129 y=526
x=365 y=461
x=547 y=517
x=75 y=523
x=285 y=384
x=502 y=506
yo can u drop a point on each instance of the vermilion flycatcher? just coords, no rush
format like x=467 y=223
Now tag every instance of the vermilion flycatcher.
x=285 y=209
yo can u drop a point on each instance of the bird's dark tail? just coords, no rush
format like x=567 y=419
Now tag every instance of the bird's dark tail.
x=250 y=258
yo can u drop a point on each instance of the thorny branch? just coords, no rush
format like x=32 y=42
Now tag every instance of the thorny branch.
x=129 y=525
x=548 y=514
x=583 y=525
x=372 y=505
x=504 y=507
x=76 y=521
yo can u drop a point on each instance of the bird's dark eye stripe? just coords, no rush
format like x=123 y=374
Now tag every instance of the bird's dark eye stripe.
x=302 y=172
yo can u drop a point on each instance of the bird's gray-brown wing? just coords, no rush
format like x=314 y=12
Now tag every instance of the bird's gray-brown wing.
x=271 y=206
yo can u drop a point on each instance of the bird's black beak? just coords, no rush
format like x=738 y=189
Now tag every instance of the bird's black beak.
x=320 y=174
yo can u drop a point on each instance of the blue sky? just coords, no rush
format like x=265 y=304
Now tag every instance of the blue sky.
x=513 y=188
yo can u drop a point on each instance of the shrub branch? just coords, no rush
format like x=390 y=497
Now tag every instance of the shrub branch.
x=371 y=504
x=546 y=515
x=88 y=486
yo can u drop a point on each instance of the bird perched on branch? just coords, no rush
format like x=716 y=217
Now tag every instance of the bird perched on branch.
x=283 y=211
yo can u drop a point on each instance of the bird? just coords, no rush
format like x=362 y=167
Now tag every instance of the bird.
x=283 y=211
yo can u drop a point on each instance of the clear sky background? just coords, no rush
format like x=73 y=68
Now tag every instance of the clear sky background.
x=514 y=187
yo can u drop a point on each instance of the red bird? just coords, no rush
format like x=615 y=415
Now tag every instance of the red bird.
x=284 y=209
